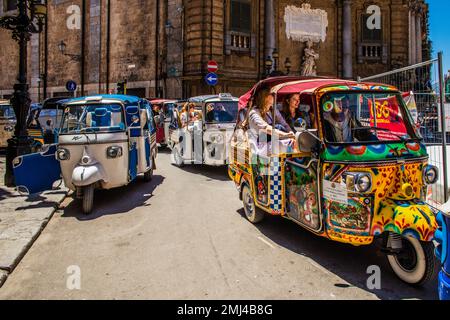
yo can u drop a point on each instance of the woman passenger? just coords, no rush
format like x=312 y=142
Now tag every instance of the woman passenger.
x=184 y=115
x=261 y=121
x=290 y=109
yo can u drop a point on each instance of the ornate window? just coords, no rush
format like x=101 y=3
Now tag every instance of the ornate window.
x=9 y=5
x=241 y=19
x=239 y=35
x=371 y=46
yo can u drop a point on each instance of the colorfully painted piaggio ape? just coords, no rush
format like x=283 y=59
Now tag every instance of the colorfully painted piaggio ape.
x=201 y=134
x=7 y=122
x=368 y=182
x=104 y=142
x=442 y=237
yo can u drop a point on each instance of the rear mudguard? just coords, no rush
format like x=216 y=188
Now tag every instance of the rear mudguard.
x=86 y=175
x=408 y=218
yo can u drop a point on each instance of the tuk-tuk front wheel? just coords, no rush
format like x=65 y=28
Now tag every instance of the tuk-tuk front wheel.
x=252 y=212
x=177 y=158
x=148 y=175
x=415 y=264
x=88 y=199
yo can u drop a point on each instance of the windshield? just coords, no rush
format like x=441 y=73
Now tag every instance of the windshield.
x=365 y=117
x=92 y=118
x=6 y=111
x=221 y=111
x=168 y=108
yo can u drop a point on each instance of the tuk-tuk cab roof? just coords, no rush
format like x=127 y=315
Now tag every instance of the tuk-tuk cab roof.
x=290 y=85
x=206 y=98
x=160 y=101
x=126 y=100
x=52 y=103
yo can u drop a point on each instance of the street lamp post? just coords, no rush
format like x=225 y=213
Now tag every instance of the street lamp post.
x=268 y=63
x=62 y=48
x=273 y=61
x=29 y=20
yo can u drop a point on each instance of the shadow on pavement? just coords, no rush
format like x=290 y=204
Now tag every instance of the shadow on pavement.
x=210 y=172
x=116 y=201
x=219 y=173
x=346 y=261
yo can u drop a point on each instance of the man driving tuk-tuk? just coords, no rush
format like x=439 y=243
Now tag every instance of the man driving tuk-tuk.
x=358 y=173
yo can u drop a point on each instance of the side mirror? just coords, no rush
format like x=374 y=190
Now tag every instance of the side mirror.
x=307 y=140
x=300 y=125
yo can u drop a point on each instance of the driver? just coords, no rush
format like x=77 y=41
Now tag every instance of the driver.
x=340 y=122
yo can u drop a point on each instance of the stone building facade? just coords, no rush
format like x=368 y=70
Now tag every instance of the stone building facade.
x=161 y=47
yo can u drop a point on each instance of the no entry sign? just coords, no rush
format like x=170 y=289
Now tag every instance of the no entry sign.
x=213 y=66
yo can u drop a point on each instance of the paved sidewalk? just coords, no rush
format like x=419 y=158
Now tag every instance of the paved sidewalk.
x=22 y=219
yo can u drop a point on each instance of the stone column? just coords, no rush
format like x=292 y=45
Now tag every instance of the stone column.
x=418 y=38
x=269 y=18
x=413 y=37
x=347 y=57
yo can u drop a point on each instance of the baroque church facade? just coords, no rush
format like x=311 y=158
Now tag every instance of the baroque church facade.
x=161 y=48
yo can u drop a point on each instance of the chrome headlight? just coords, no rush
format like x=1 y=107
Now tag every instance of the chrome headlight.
x=114 y=152
x=363 y=182
x=430 y=174
x=62 y=154
x=217 y=138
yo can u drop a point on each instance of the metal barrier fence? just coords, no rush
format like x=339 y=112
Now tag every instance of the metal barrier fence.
x=426 y=82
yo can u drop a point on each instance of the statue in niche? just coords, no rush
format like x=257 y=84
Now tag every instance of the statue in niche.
x=309 y=60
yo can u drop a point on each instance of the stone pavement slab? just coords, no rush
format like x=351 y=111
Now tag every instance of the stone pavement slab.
x=22 y=218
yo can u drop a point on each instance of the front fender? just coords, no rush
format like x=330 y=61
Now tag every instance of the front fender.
x=408 y=218
x=87 y=175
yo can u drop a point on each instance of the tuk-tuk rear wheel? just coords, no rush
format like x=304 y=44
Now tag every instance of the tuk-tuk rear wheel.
x=252 y=212
x=416 y=263
x=88 y=199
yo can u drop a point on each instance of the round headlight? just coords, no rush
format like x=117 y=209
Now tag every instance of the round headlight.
x=430 y=175
x=114 y=152
x=363 y=183
x=63 y=154
x=218 y=139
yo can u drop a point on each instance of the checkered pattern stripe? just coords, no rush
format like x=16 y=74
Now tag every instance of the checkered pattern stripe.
x=276 y=187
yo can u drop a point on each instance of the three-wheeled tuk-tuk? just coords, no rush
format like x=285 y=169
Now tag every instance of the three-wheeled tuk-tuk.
x=104 y=142
x=44 y=121
x=442 y=237
x=7 y=122
x=201 y=130
x=162 y=110
x=357 y=169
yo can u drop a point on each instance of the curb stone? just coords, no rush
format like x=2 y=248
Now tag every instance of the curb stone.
x=25 y=242
x=3 y=276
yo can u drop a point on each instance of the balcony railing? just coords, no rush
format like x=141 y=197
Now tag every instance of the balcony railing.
x=372 y=52
x=240 y=42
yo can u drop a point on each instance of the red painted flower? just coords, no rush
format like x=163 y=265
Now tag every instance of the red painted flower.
x=356 y=150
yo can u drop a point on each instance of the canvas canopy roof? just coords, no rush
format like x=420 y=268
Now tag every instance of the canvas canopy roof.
x=290 y=85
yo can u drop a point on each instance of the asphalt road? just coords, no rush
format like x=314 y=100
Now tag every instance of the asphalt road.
x=183 y=236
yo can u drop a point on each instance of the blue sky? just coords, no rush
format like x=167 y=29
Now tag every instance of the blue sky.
x=439 y=33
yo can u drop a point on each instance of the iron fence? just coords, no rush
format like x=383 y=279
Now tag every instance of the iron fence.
x=425 y=82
